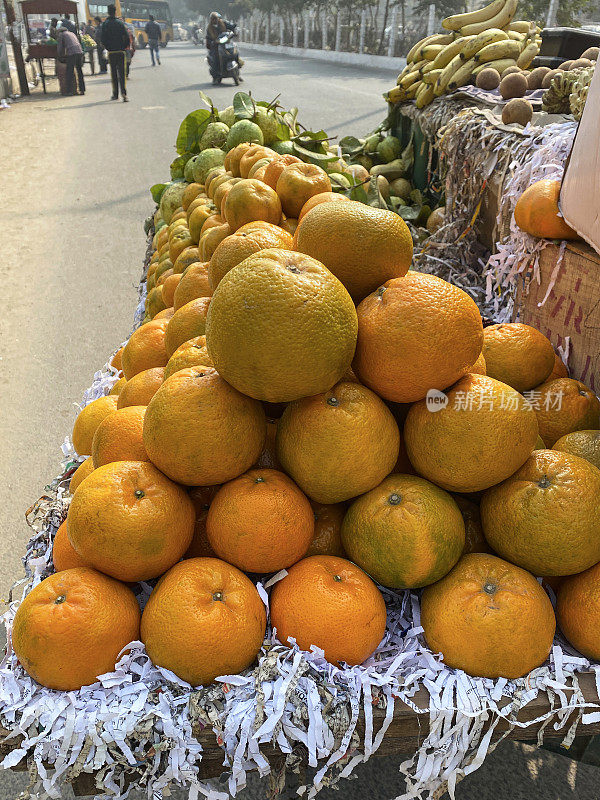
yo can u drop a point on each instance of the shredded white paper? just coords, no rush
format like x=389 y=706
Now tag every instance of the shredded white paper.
x=137 y=727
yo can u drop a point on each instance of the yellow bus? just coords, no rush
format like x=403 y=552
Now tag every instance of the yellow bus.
x=100 y=9
x=137 y=12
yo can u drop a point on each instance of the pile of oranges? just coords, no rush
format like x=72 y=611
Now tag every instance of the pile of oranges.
x=297 y=399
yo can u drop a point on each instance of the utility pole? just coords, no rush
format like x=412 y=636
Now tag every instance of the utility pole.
x=16 y=47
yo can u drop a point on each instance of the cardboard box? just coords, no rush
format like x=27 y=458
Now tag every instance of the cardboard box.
x=570 y=315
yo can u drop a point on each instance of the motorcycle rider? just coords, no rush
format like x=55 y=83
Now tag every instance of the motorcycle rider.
x=216 y=26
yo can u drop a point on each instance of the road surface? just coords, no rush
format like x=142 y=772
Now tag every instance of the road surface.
x=75 y=193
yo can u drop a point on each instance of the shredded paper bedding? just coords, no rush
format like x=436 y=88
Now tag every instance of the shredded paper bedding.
x=138 y=727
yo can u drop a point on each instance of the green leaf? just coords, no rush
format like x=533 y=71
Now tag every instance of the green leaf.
x=374 y=196
x=290 y=118
x=191 y=129
x=206 y=99
x=409 y=212
x=283 y=132
x=350 y=144
x=359 y=194
x=243 y=106
x=157 y=190
x=310 y=155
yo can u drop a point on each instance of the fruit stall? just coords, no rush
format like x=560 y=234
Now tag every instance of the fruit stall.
x=327 y=501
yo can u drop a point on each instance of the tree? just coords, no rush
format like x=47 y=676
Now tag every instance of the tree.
x=568 y=12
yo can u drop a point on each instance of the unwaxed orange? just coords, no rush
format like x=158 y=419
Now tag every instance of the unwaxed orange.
x=194 y=283
x=488 y=618
x=260 y=522
x=280 y=326
x=416 y=333
x=517 y=354
x=64 y=555
x=130 y=521
x=88 y=420
x=536 y=212
x=338 y=444
x=331 y=603
x=363 y=246
x=250 y=200
x=205 y=618
x=200 y=431
x=192 y=353
x=578 y=611
x=298 y=183
x=83 y=470
x=565 y=405
x=139 y=390
x=188 y=322
x=246 y=241
x=72 y=626
x=119 y=437
x=322 y=197
x=276 y=167
x=145 y=348
x=546 y=517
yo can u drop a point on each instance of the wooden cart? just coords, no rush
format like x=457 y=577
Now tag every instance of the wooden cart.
x=38 y=50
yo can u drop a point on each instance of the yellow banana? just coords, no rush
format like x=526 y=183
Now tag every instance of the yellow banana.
x=487 y=37
x=430 y=51
x=462 y=75
x=396 y=95
x=411 y=92
x=424 y=96
x=450 y=50
x=435 y=38
x=458 y=21
x=409 y=79
x=500 y=65
x=427 y=68
x=501 y=20
x=527 y=55
x=516 y=37
x=447 y=73
x=497 y=50
x=432 y=76
x=521 y=26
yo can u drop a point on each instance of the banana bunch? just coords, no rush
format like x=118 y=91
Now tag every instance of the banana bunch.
x=443 y=62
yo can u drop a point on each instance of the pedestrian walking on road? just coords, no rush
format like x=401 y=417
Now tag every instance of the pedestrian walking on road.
x=97 y=34
x=69 y=49
x=154 y=33
x=115 y=39
x=130 y=52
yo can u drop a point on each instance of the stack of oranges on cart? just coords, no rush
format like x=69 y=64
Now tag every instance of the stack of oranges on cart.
x=298 y=400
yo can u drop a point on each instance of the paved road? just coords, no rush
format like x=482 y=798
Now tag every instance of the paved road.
x=75 y=180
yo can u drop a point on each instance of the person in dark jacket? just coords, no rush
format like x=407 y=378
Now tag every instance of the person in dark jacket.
x=97 y=35
x=69 y=49
x=66 y=23
x=216 y=26
x=115 y=39
x=154 y=33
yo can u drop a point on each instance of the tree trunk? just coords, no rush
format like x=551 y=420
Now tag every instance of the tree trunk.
x=16 y=47
x=385 y=19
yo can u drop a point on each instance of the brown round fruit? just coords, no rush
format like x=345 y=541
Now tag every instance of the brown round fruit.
x=514 y=85
x=517 y=112
x=488 y=79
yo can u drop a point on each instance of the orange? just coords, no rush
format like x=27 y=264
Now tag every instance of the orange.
x=191 y=255
x=145 y=348
x=214 y=221
x=116 y=360
x=328 y=602
x=415 y=334
x=546 y=516
x=63 y=554
x=83 y=470
x=257 y=170
x=246 y=241
x=166 y=274
x=559 y=370
x=250 y=200
x=222 y=193
x=276 y=167
x=215 y=172
x=130 y=521
x=298 y=183
x=268 y=457
x=488 y=618
x=198 y=217
x=475 y=541
x=200 y=431
x=211 y=238
x=116 y=389
x=289 y=225
x=536 y=212
x=178 y=242
x=205 y=618
x=578 y=611
x=192 y=190
x=72 y=626
x=327 y=538
x=517 y=354
x=119 y=437
x=202 y=497
x=154 y=301
x=479 y=367
x=338 y=444
x=194 y=283
x=140 y=389
x=251 y=156
x=234 y=157
x=188 y=322
x=265 y=318
x=585 y=444
x=322 y=197
x=482 y=435
x=565 y=405
x=192 y=353
x=364 y=247
x=260 y=522
x=88 y=420
x=168 y=290
x=406 y=533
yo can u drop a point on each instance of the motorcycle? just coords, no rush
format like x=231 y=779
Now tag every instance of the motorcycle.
x=224 y=59
x=196 y=37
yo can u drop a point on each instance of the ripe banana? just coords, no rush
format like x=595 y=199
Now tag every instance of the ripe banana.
x=500 y=65
x=430 y=51
x=450 y=50
x=500 y=20
x=516 y=37
x=396 y=95
x=409 y=79
x=435 y=38
x=458 y=21
x=527 y=55
x=424 y=96
x=487 y=37
x=432 y=76
x=521 y=26
x=497 y=50
x=427 y=68
x=462 y=75
x=411 y=92
x=447 y=73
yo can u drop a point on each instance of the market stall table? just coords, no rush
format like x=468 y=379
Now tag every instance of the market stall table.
x=40 y=50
